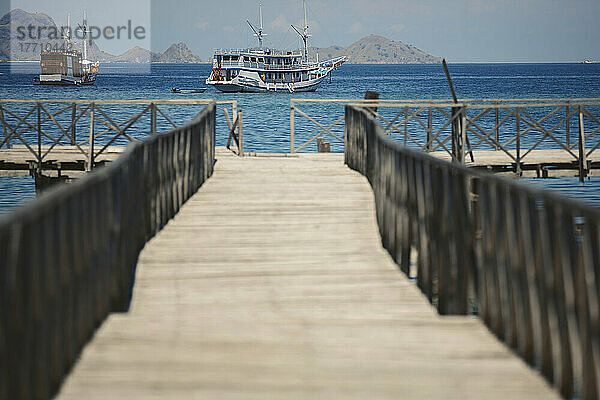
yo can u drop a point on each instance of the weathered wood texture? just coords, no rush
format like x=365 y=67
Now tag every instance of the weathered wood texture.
x=527 y=259
x=68 y=259
x=539 y=163
x=271 y=283
x=517 y=129
x=19 y=157
x=50 y=130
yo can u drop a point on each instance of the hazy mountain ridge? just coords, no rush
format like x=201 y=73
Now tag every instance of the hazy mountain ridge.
x=372 y=49
x=376 y=49
x=8 y=33
x=176 y=53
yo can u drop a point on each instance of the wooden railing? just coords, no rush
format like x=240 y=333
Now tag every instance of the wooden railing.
x=525 y=260
x=68 y=259
x=92 y=126
x=513 y=127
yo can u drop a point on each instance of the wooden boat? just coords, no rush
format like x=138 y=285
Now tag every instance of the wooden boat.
x=267 y=70
x=65 y=66
x=185 y=91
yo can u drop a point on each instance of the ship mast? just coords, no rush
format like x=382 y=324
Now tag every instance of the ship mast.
x=85 y=30
x=258 y=32
x=304 y=34
x=69 y=28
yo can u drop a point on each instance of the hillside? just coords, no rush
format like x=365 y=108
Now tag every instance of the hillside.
x=375 y=49
x=176 y=53
x=8 y=31
x=372 y=49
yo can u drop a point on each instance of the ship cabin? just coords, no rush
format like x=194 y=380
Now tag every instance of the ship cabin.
x=272 y=66
x=62 y=63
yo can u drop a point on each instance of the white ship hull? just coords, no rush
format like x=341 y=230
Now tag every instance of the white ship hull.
x=268 y=70
x=257 y=80
x=257 y=85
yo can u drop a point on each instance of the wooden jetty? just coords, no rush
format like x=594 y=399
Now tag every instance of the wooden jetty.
x=271 y=282
x=181 y=270
x=77 y=135
x=528 y=137
x=547 y=163
x=62 y=158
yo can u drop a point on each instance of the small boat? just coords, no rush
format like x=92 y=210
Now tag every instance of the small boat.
x=66 y=66
x=267 y=70
x=185 y=91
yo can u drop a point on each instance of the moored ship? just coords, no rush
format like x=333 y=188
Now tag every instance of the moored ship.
x=266 y=70
x=66 y=66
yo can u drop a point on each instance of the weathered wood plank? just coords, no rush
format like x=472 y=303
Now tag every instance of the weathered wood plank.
x=271 y=283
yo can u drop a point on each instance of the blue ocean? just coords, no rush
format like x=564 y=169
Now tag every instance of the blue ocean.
x=266 y=116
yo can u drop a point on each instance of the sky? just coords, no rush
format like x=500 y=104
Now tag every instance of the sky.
x=459 y=30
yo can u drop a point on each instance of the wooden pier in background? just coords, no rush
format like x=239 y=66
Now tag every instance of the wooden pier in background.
x=63 y=158
x=68 y=159
x=539 y=163
x=271 y=283
x=183 y=270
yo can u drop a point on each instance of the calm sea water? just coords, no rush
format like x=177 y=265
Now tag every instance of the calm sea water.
x=266 y=116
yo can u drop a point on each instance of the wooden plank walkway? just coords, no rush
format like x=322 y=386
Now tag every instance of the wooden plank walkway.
x=17 y=158
x=271 y=283
x=556 y=162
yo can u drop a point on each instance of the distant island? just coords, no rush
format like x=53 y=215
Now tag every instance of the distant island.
x=375 y=49
x=372 y=49
x=176 y=53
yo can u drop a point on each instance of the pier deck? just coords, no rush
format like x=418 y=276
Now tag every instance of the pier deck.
x=271 y=282
x=539 y=163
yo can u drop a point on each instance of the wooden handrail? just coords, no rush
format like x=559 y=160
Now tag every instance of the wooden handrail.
x=51 y=131
x=68 y=259
x=522 y=258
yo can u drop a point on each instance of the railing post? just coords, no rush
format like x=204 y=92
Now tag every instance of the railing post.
x=429 y=129
x=6 y=134
x=90 y=163
x=292 y=126
x=39 y=136
x=405 y=126
x=241 y=132
x=568 y=126
x=234 y=115
x=463 y=134
x=73 y=123
x=497 y=145
x=456 y=135
x=518 y=117
x=582 y=155
x=153 y=118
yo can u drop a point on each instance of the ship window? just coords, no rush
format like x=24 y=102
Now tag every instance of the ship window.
x=253 y=59
x=246 y=58
x=261 y=60
x=234 y=58
x=225 y=58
